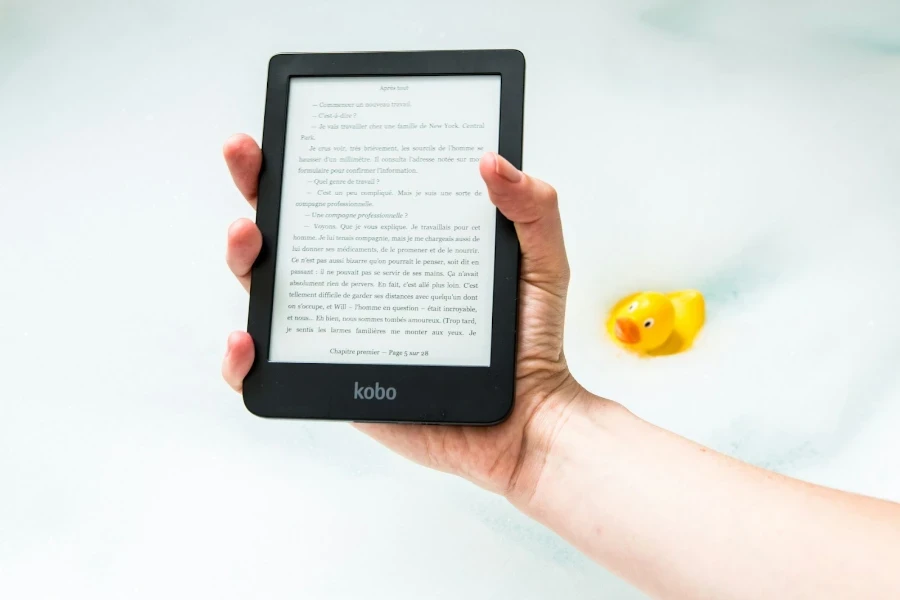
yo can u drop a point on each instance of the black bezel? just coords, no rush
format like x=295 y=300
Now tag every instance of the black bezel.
x=425 y=394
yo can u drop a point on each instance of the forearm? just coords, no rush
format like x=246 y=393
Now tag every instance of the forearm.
x=681 y=521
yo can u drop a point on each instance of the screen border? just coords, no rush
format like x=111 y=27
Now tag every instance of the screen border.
x=424 y=394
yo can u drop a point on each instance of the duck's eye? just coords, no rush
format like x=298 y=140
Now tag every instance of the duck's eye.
x=648 y=323
x=632 y=306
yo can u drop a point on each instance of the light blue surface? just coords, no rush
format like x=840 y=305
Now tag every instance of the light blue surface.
x=751 y=152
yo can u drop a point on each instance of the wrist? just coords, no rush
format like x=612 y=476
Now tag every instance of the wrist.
x=567 y=415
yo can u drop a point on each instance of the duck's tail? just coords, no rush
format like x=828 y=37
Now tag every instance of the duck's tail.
x=690 y=309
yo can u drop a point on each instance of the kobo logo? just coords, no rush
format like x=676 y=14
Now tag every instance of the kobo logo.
x=373 y=393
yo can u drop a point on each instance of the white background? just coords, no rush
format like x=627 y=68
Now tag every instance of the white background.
x=750 y=152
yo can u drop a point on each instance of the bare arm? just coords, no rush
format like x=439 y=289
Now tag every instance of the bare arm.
x=679 y=520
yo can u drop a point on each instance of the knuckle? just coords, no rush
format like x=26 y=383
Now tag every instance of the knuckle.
x=548 y=192
x=551 y=191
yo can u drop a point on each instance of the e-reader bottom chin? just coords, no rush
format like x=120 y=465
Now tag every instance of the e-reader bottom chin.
x=386 y=287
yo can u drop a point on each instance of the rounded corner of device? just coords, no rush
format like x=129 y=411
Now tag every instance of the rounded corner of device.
x=507 y=410
x=253 y=406
x=278 y=60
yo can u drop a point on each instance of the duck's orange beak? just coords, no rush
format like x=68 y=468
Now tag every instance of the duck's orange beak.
x=627 y=331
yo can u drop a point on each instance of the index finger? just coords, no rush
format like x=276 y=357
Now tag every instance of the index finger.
x=244 y=159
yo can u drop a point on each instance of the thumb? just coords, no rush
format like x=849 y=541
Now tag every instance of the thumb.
x=532 y=206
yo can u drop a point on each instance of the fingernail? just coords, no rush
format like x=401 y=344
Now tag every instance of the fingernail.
x=506 y=170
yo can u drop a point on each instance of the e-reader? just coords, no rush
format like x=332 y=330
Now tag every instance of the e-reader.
x=386 y=287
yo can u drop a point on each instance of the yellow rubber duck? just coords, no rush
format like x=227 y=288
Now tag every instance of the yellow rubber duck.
x=655 y=324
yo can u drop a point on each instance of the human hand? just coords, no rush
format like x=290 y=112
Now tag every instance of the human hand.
x=505 y=458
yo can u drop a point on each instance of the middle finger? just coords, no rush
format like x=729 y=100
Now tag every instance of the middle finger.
x=244 y=244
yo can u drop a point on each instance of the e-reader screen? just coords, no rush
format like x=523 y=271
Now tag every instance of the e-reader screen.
x=386 y=235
